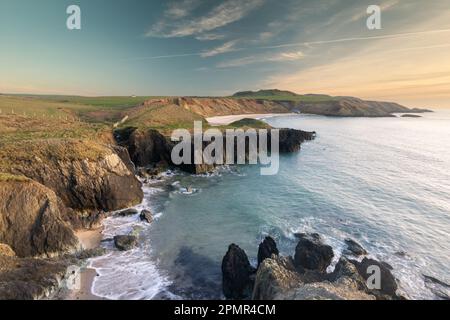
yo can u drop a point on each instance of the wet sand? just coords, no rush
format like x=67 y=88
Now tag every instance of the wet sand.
x=89 y=239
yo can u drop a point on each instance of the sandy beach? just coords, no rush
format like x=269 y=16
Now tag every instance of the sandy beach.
x=225 y=120
x=89 y=239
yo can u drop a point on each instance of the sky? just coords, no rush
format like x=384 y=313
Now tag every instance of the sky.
x=210 y=47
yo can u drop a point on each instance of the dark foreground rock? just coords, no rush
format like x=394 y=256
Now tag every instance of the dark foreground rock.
x=237 y=274
x=388 y=284
x=312 y=254
x=125 y=242
x=280 y=278
x=266 y=249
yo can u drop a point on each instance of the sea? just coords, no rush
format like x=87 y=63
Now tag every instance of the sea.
x=383 y=182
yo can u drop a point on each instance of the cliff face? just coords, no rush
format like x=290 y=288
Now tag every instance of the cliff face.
x=209 y=107
x=32 y=220
x=349 y=107
x=85 y=175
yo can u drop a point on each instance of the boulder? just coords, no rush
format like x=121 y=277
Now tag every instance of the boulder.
x=127 y=212
x=354 y=248
x=125 y=242
x=312 y=254
x=33 y=220
x=146 y=215
x=275 y=277
x=266 y=249
x=237 y=274
x=387 y=280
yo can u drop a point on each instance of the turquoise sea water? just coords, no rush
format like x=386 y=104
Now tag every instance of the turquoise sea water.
x=383 y=182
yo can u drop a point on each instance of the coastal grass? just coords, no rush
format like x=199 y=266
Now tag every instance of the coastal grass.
x=247 y=123
x=26 y=153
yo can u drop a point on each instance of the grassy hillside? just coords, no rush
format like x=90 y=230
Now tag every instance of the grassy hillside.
x=164 y=117
x=280 y=95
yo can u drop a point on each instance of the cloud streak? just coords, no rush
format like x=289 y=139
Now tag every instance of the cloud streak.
x=305 y=44
x=224 y=48
x=279 y=57
x=226 y=13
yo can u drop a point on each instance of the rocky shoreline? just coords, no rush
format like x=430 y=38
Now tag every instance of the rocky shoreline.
x=51 y=189
x=304 y=276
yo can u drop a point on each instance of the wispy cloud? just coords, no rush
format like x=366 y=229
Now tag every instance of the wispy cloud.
x=226 y=47
x=228 y=12
x=210 y=37
x=180 y=9
x=278 y=57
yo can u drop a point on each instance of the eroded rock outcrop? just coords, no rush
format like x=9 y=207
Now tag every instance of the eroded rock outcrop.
x=33 y=220
x=88 y=177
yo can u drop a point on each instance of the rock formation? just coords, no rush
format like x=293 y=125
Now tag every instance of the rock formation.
x=355 y=248
x=33 y=220
x=266 y=249
x=149 y=147
x=146 y=215
x=237 y=274
x=312 y=254
x=280 y=278
x=125 y=242
x=88 y=177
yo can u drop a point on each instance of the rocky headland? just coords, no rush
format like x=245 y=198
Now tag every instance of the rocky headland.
x=52 y=188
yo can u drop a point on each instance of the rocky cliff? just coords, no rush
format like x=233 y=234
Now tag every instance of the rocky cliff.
x=149 y=147
x=86 y=176
x=209 y=107
x=349 y=107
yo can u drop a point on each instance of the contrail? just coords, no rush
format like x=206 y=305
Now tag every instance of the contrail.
x=389 y=36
